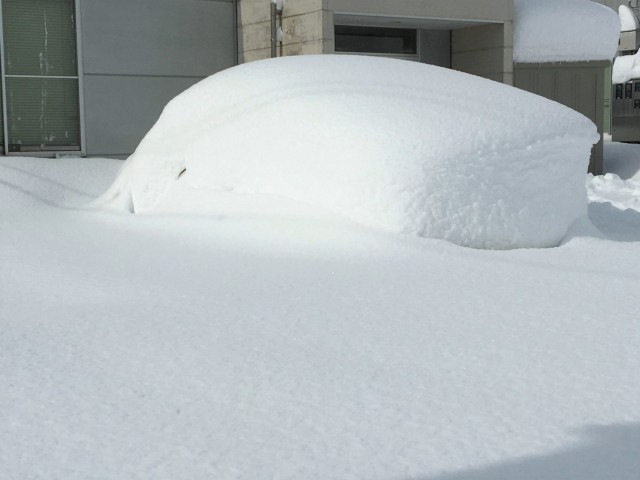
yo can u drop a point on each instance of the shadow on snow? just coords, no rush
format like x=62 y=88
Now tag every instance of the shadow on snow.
x=604 y=453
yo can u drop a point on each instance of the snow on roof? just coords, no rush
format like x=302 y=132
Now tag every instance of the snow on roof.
x=564 y=31
x=391 y=144
x=628 y=19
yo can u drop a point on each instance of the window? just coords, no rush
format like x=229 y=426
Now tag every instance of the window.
x=40 y=76
x=376 y=40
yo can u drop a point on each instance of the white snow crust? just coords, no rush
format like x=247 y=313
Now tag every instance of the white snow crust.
x=389 y=144
x=628 y=19
x=625 y=68
x=619 y=187
x=610 y=188
x=563 y=31
x=262 y=346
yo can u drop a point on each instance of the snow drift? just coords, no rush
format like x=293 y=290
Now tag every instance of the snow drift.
x=563 y=31
x=386 y=143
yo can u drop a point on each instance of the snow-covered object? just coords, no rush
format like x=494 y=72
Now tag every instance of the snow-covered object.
x=387 y=143
x=563 y=31
x=628 y=19
x=625 y=68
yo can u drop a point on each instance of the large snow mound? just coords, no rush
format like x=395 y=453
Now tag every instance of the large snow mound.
x=386 y=143
x=563 y=31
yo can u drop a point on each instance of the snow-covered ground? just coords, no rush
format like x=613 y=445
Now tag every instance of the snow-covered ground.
x=238 y=345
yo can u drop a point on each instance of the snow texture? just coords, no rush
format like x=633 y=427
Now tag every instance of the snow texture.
x=64 y=181
x=563 y=31
x=628 y=19
x=622 y=194
x=386 y=143
x=245 y=346
x=625 y=68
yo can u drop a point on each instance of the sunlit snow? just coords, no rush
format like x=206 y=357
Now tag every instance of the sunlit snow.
x=253 y=345
x=563 y=31
x=628 y=19
x=390 y=144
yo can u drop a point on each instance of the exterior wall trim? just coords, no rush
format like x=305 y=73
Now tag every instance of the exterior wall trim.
x=5 y=122
x=80 y=64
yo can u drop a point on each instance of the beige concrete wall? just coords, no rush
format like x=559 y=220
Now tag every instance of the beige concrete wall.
x=486 y=51
x=307 y=27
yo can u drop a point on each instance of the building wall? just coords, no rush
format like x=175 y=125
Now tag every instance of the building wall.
x=137 y=55
x=614 y=4
x=486 y=51
x=435 y=47
x=308 y=25
x=578 y=85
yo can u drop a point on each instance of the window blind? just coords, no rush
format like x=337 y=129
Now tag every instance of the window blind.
x=40 y=65
x=40 y=37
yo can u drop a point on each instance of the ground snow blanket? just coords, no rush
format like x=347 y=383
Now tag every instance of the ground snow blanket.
x=164 y=347
x=563 y=31
x=392 y=144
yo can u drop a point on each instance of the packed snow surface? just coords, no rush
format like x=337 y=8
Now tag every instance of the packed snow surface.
x=628 y=19
x=563 y=31
x=259 y=346
x=386 y=143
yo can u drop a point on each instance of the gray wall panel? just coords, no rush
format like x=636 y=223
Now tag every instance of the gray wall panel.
x=121 y=110
x=157 y=37
x=435 y=47
x=139 y=54
x=578 y=85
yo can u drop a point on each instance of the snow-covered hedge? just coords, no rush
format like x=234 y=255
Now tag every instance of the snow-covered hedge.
x=403 y=146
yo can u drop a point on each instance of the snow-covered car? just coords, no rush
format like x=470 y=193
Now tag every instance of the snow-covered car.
x=390 y=144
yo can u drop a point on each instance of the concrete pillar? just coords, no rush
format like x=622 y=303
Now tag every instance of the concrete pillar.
x=307 y=27
x=486 y=51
